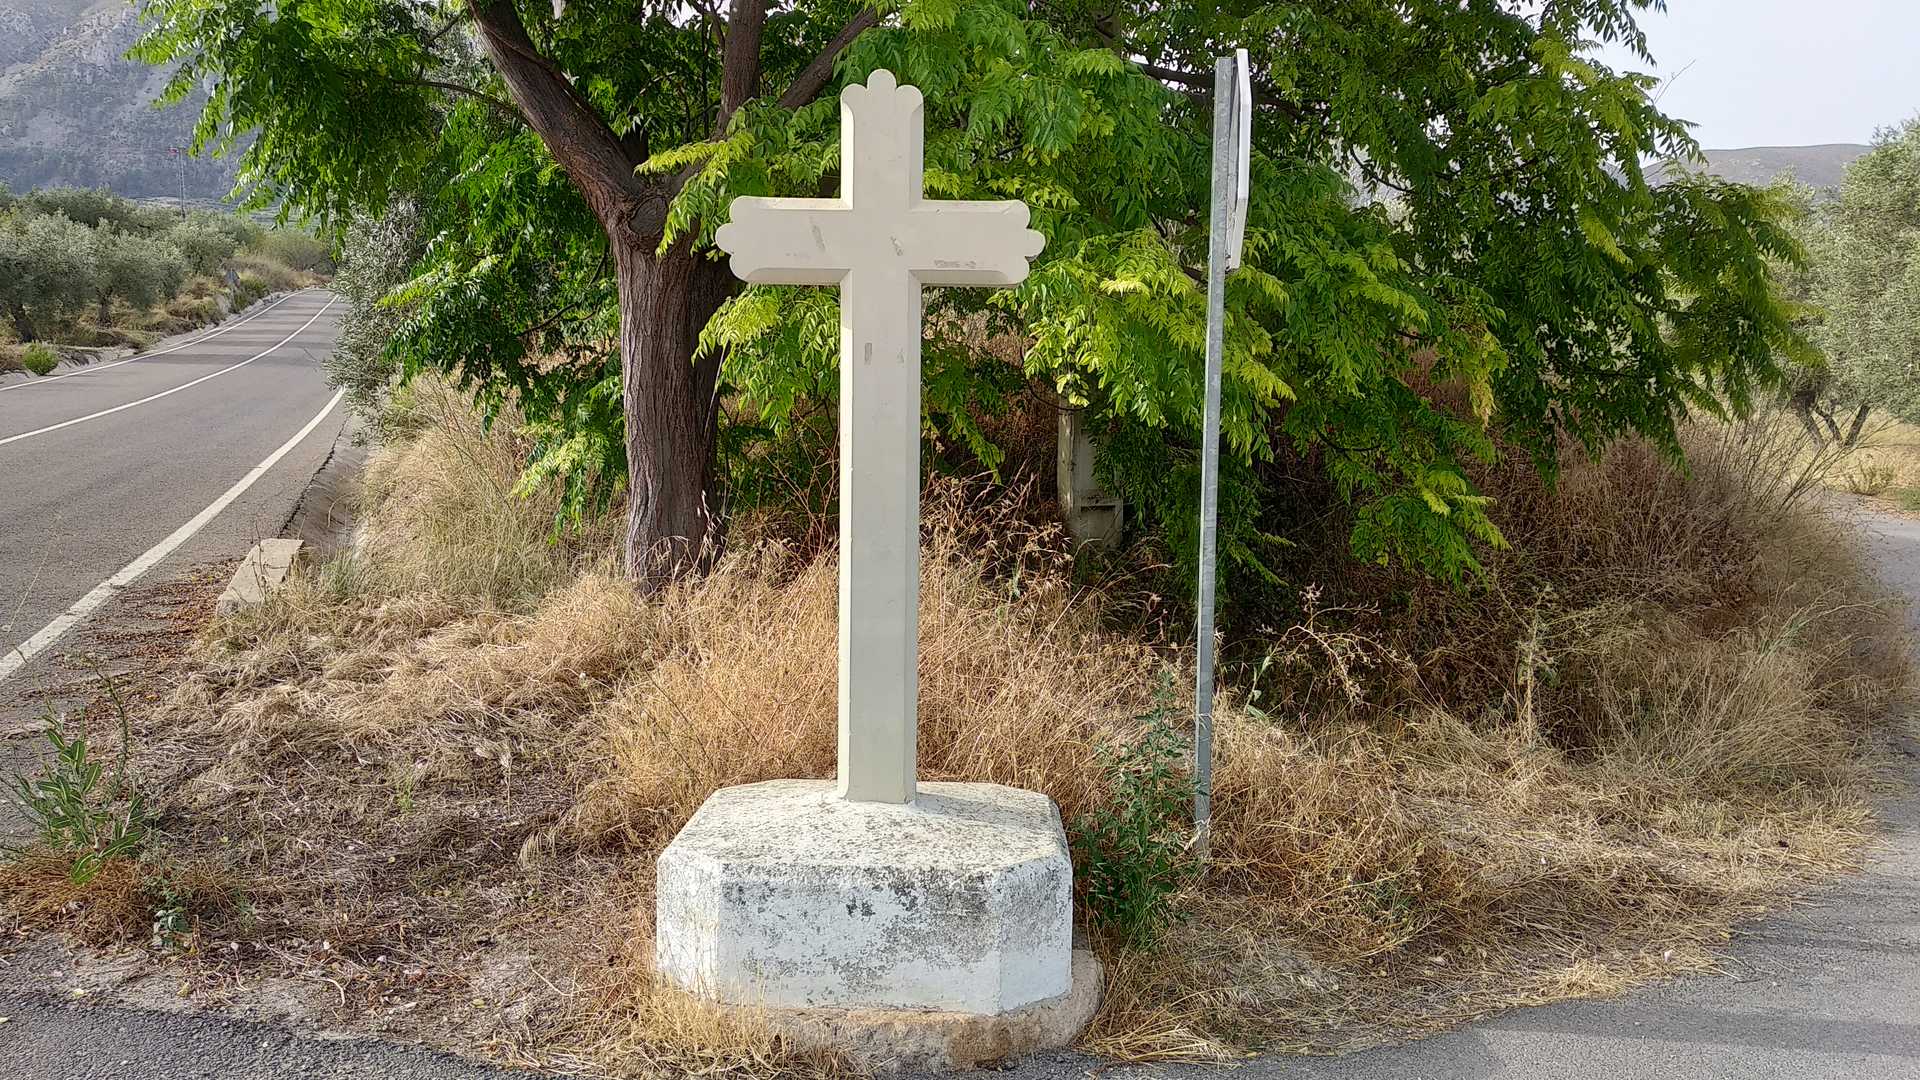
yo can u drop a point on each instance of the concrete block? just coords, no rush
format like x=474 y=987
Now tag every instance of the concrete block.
x=1092 y=515
x=781 y=895
x=262 y=571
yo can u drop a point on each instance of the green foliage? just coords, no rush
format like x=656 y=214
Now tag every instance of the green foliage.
x=39 y=358
x=377 y=255
x=62 y=249
x=1132 y=850
x=295 y=248
x=206 y=241
x=247 y=289
x=138 y=269
x=1865 y=279
x=1390 y=331
x=93 y=207
x=76 y=810
x=1451 y=244
x=46 y=269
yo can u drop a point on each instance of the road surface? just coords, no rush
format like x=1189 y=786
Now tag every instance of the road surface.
x=124 y=472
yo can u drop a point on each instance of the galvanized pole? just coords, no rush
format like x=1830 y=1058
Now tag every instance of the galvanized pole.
x=1217 y=255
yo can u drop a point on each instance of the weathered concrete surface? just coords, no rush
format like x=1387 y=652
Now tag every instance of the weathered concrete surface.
x=267 y=565
x=782 y=895
x=922 y=1040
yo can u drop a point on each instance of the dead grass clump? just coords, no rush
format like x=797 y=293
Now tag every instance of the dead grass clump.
x=441 y=514
x=113 y=906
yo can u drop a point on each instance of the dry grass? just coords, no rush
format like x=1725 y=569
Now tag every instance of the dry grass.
x=1886 y=465
x=441 y=771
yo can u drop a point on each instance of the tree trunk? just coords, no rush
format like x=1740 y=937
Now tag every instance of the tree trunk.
x=672 y=411
x=674 y=521
x=1859 y=424
x=1801 y=402
x=22 y=325
x=106 y=311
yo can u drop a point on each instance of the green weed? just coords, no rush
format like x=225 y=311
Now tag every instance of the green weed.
x=74 y=809
x=1133 y=850
x=40 y=358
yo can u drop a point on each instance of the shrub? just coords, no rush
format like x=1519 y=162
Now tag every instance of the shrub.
x=248 y=288
x=1132 y=850
x=46 y=269
x=1871 y=478
x=376 y=256
x=293 y=248
x=271 y=274
x=40 y=358
x=138 y=269
x=204 y=242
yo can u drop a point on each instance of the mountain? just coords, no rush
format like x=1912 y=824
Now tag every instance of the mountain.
x=75 y=110
x=1820 y=166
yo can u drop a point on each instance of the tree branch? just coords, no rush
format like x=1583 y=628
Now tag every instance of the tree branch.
x=819 y=71
x=1201 y=85
x=573 y=131
x=459 y=17
x=506 y=107
x=740 y=60
x=1174 y=75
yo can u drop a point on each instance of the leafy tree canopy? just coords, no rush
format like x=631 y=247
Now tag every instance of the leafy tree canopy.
x=1863 y=280
x=1452 y=244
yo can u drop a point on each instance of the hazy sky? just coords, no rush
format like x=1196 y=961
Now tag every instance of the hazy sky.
x=1784 y=72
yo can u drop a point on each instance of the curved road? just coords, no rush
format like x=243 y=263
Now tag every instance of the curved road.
x=118 y=472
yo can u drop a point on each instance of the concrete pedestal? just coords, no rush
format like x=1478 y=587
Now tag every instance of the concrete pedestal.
x=877 y=927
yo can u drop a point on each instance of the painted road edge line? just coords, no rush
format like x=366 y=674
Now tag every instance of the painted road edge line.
x=165 y=393
x=94 y=368
x=17 y=657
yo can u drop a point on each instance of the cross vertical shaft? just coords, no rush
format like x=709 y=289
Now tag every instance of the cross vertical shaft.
x=879 y=533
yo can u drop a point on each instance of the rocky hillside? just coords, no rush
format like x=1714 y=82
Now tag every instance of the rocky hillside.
x=75 y=110
x=1818 y=166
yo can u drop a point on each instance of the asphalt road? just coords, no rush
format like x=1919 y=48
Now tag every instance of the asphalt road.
x=101 y=466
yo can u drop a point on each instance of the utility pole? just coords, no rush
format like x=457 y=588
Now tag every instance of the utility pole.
x=1232 y=158
x=180 y=153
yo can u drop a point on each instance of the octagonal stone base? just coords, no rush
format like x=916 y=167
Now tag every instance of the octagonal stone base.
x=782 y=896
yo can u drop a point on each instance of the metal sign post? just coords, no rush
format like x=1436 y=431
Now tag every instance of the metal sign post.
x=1232 y=157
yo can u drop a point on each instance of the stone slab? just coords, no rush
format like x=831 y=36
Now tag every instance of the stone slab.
x=782 y=895
x=262 y=571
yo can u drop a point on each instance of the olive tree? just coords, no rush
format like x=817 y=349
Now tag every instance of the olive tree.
x=1865 y=285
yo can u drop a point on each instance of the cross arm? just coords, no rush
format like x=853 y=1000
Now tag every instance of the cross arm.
x=787 y=241
x=971 y=243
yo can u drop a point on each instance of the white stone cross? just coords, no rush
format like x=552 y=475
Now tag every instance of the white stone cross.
x=880 y=241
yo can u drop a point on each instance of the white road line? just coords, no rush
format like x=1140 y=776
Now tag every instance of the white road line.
x=93 y=368
x=15 y=659
x=165 y=393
